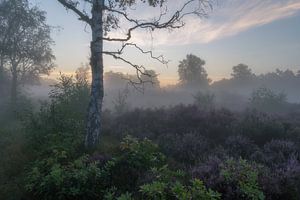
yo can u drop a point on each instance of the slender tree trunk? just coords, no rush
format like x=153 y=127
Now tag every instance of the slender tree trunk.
x=1 y=74
x=94 y=124
x=1 y=68
x=13 y=94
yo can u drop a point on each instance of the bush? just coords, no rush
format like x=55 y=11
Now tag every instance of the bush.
x=171 y=190
x=134 y=161
x=264 y=99
x=205 y=101
x=279 y=152
x=188 y=148
x=261 y=127
x=60 y=177
x=57 y=178
x=60 y=123
x=139 y=169
x=208 y=171
x=239 y=146
x=177 y=120
x=242 y=179
x=282 y=182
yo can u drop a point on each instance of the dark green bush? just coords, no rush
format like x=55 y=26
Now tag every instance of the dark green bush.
x=242 y=178
x=138 y=169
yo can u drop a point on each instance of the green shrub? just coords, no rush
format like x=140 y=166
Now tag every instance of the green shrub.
x=137 y=170
x=58 y=176
x=168 y=184
x=243 y=178
x=53 y=179
x=133 y=161
x=176 y=190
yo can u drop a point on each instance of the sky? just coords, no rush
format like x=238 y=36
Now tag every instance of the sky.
x=264 y=34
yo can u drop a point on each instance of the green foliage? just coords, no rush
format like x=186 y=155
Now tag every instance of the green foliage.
x=133 y=162
x=169 y=184
x=244 y=177
x=141 y=153
x=199 y=191
x=111 y=195
x=154 y=190
x=13 y=157
x=176 y=190
x=57 y=178
x=13 y=152
x=123 y=177
x=60 y=124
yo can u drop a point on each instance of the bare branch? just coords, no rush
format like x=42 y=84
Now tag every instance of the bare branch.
x=73 y=6
x=124 y=14
x=140 y=72
x=174 y=22
x=159 y=58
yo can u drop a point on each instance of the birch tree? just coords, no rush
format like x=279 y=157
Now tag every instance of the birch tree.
x=109 y=16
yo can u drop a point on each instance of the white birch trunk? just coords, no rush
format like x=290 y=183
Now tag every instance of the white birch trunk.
x=94 y=124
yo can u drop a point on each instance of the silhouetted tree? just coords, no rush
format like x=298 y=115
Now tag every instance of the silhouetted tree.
x=192 y=73
x=205 y=101
x=25 y=43
x=242 y=72
x=105 y=16
x=113 y=80
x=151 y=77
x=3 y=59
x=265 y=99
x=121 y=102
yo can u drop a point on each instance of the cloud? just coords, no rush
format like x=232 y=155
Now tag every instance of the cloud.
x=229 y=18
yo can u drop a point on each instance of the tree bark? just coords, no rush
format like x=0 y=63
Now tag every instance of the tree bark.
x=14 y=84
x=2 y=81
x=94 y=124
x=1 y=67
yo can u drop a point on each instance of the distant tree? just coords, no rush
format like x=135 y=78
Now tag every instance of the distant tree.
x=205 y=101
x=265 y=99
x=287 y=74
x=191 y=71
x=3 y=76
x=3 y=59
x=152 y=79
x=121 y=102
x=113 y=15
x=82 y=76
x=114 y=80
x=25 y=43
x=242 y=72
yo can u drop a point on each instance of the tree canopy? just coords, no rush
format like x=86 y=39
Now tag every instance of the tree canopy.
x=25 y=42
x=242 y=72
x=191 y=71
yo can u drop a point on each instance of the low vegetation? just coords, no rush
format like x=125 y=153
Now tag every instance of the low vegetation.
x=179 y=152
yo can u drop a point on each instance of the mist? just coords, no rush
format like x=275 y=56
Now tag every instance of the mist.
x=94 y=133
x=234 y=93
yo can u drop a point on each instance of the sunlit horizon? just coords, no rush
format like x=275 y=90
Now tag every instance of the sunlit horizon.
x=262 y=34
